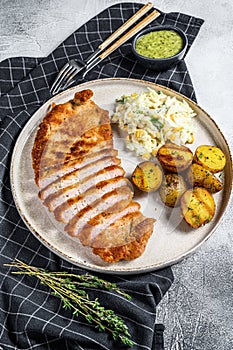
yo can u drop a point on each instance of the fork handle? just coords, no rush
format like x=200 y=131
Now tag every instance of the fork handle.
x=129 y=34
x=122 y=40
x=120 y=30
x=126 y=25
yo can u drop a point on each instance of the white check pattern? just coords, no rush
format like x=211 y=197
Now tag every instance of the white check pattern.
x=30 y=318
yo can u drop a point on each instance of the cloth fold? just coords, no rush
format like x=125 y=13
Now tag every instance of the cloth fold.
x=30 y=317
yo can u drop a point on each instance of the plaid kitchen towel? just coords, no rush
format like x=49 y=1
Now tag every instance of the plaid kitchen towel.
x=30 y=317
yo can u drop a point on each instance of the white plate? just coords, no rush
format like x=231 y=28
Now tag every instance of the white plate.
x=172 y=239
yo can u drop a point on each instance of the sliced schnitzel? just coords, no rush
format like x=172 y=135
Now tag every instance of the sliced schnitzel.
x=82 y=182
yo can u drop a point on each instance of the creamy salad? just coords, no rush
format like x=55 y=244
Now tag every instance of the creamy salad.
x=153 y=118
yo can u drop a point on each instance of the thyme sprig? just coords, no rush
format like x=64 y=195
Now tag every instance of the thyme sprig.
x=70 y=288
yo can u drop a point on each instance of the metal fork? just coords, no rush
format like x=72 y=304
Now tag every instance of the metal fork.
x=73 y=67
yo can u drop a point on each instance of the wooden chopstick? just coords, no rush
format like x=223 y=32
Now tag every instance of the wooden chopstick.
x=147 y=20
x=126 y=25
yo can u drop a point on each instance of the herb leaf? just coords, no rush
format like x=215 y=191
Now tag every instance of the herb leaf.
x=67 y=286
x=122 y=100
x=159 y=125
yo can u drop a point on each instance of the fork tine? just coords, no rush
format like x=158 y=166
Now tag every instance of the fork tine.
x=59 y=75
x=57 y=83
x=69 y=76
x=63 y=79
x=70 y=80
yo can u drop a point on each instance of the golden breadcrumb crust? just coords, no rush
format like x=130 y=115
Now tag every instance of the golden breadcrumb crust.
x=128 y=251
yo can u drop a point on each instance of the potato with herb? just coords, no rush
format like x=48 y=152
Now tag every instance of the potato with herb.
x=197 y=175
x=147 y=176
x=197 y=206
x=210 y=157
x=174 y=158
x=171 y=190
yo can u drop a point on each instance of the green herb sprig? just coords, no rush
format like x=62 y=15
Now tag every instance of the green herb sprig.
x=70 y=288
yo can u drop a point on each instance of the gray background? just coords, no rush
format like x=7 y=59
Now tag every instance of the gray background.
x=198 y=309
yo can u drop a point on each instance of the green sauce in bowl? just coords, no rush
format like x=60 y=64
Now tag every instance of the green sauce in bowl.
x=159 y=44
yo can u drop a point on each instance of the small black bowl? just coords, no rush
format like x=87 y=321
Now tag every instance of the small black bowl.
x=160 y=64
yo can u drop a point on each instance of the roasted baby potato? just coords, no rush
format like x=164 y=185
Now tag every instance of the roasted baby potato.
x=198 y=176
x=171 y=190
x=147 y=176
x=197 y=206
x=210 y=157
x=174 y=158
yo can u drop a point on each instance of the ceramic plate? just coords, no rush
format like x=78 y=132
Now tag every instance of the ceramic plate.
x=172 y=239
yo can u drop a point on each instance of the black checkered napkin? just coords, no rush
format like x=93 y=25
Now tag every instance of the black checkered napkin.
x=30 y=318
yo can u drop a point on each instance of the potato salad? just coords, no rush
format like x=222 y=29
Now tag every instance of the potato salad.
x=153 y=118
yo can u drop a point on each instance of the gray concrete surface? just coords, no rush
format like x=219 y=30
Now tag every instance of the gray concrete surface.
x=198 y=309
